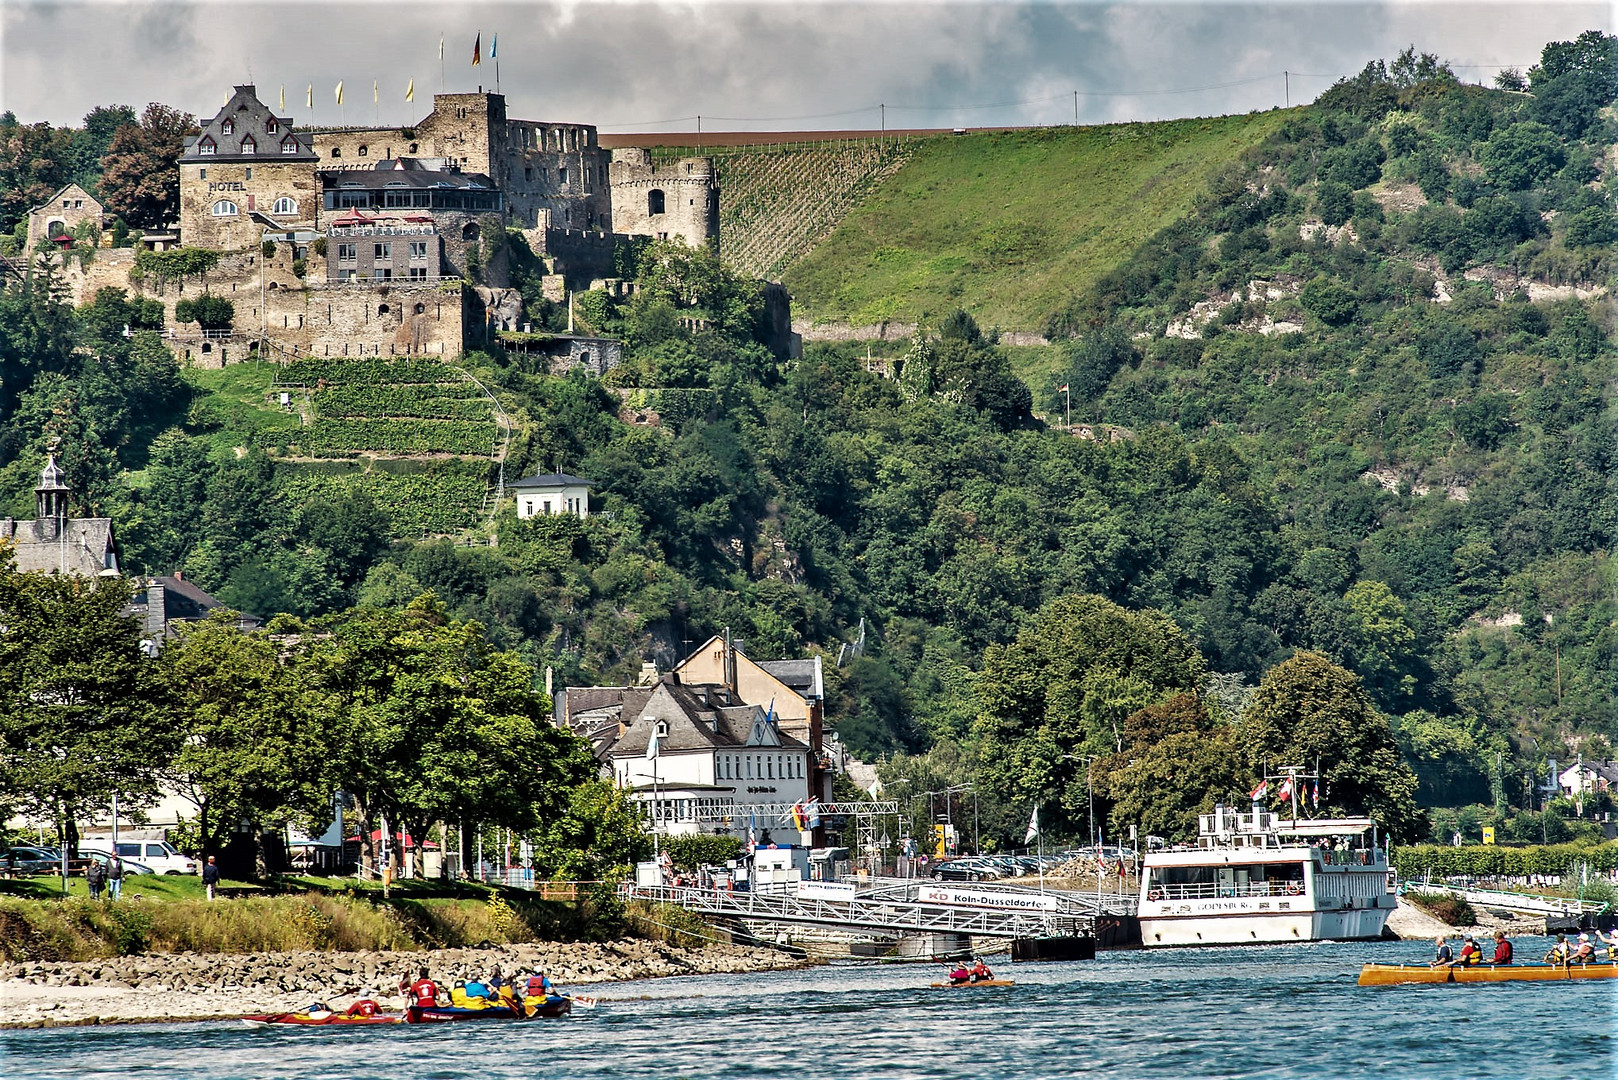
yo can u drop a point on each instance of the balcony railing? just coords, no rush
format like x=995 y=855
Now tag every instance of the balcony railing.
x=1215 y=891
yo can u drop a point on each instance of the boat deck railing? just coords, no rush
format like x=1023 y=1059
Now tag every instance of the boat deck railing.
x=1212 y=890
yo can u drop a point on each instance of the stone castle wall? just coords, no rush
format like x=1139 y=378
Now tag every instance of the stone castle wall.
x=665 y=200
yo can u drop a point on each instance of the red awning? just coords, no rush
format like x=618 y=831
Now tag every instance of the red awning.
x=376 y=839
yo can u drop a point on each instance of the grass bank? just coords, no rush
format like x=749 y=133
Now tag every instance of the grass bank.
x=167 y=915
x=1008 y=225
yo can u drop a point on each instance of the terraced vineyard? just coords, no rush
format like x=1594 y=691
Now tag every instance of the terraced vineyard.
x=421 y=497
x=419 y=437
x=780 y=201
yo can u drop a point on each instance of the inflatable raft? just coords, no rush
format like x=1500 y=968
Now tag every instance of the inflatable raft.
x=554 y=1006
x=1402 y=974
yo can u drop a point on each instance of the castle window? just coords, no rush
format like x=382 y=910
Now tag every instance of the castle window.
x=421 y=309
x=202 y=174
x=249 y=176
x=528 y=172
x=418 y=273
x=249 y=145
x=364 y=150
x=413 y=147
x=418 y=249
x=337 y=151
x=655 y=201
x=285 y=205
x=469 y=231
x=347 y=252
x=561 y=175
x=383 y=251
x=271 y=127
x=289 y=145
x=224 y=208
x=382 y=309
x=228 y=127
x=206 y=146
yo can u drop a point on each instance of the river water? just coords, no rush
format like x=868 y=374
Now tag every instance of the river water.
x=1283 y=1011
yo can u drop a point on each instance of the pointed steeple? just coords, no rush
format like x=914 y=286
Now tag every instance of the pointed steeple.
x=50 y=499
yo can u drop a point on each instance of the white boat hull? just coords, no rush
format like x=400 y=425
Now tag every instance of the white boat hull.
x=1171 y=930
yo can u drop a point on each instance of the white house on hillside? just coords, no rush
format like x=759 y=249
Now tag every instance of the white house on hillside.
x=549 y=494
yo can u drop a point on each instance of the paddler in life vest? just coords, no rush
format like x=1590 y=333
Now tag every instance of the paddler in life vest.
x=1471 y=955
x=1561 y=952
x=960 y=975
x=1502 y=948
x=535 y=994
x=1444 y=956
x=365 y=1006
x=1586 y=952
x=980 y=971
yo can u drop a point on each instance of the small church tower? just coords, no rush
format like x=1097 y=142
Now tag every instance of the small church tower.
x=50 y=500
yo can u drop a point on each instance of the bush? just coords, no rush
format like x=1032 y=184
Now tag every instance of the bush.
x=1520 y=156
x=691 y=852
x=1332 y=302
x=1445 y=907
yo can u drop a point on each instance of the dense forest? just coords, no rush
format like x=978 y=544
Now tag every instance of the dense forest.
x=1340 y=487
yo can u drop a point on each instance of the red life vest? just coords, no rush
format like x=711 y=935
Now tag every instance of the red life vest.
x=536 y=986
x=425 y=992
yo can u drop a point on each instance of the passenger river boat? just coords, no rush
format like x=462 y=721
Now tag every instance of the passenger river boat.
x=1257 y=879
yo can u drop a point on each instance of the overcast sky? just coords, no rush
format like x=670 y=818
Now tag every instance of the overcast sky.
x=769 y=65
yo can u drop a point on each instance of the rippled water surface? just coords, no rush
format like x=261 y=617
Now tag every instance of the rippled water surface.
x=1287 y=1011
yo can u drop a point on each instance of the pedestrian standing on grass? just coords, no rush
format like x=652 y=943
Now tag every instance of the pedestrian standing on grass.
x=96 y=877
x=210 y=876
x=115 y=877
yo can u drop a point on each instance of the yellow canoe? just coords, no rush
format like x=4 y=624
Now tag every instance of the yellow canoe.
x=1400 y=974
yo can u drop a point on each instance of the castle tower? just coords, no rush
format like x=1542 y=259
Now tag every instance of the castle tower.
x=50 y=500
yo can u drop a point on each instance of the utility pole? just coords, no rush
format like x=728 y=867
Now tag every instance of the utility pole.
x=1075 y=108
x=1287 y=75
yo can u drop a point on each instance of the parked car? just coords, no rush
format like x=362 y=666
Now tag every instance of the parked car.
x=159 y=855
x=30 y=860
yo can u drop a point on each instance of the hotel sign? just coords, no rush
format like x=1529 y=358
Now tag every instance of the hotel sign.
x=975 y=898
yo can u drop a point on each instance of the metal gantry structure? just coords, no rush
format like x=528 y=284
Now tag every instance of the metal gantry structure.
x=892 y=908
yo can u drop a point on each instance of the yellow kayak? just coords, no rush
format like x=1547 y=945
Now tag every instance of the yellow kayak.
x=970 y=985
x=1401 y=974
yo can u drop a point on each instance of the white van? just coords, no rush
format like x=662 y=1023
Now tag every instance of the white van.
x=160 y=855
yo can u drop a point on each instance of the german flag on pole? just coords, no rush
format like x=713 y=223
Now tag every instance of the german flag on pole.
x=477 y=50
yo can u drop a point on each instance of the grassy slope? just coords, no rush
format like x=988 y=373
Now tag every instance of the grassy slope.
x=1009 y=225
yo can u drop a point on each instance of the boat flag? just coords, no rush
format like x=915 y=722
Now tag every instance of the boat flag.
x=477 y=50
x=1262 y=790
x=1033 y=827
x=1286 y=790
x=410 y=91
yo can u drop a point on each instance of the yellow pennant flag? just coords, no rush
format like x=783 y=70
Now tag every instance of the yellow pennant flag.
x=283 y=97
x=339 y=91
x=375 y=93
x=309 y=96
x=441 y=48
x=410 y=91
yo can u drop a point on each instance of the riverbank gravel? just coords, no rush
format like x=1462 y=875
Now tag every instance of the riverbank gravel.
x=134 y=989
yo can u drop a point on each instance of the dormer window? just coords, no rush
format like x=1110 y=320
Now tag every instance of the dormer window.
x=289 y=145
x=662 y=729
x=207 y=145
x=249 y=145
x=271 y=127
x=227 y=128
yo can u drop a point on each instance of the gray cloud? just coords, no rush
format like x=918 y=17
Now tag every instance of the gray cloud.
x=755 y=65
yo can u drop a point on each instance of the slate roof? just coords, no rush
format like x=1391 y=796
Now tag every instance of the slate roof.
x=183 y=601
x=248 y=117
x=552 y=480
x=84 y=547
x=693 y=724
x=804 y=676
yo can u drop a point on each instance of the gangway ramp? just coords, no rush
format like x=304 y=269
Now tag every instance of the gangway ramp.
x=907 y=908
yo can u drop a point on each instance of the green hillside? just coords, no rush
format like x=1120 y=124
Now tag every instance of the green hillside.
x=1010 y=225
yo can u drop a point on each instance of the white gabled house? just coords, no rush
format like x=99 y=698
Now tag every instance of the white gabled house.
x=550 y=494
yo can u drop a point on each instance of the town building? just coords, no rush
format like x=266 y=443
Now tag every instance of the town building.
x=1588 y=778
x=53 y=542
x=793 y=689
x=550 y=494
x=715 y=757
x=164 y=603
x=61 y=214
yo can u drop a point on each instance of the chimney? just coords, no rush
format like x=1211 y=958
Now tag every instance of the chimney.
x=156 y=615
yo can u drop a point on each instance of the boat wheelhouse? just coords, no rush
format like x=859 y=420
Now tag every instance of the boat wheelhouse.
x=1257 y=879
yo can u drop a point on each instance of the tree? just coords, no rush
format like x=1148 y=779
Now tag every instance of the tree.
x=76 y=727
x=1066 y=686
x=1308 y=709
x=248 y=734
x=1520 y=156
x=140 y=175
x=35 y=160
x=431 y=723
x=90 y=143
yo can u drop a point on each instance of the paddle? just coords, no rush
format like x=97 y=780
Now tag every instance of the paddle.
x=583 y=1001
